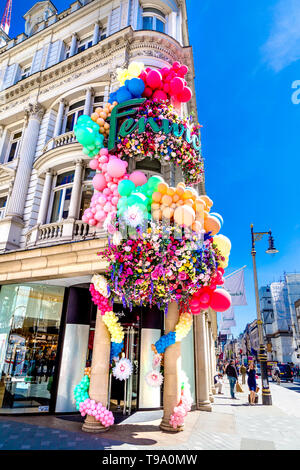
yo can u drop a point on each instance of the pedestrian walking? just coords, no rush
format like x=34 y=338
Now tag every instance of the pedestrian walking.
x=232 y=377
x=218 y=381
x=251 y=372
x=243 y=372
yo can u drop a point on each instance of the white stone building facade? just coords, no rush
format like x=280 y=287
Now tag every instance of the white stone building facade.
x=62 y=66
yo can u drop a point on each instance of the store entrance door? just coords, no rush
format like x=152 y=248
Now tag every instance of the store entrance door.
x=123 y=395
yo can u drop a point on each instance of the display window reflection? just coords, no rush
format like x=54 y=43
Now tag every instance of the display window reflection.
x=30 y=318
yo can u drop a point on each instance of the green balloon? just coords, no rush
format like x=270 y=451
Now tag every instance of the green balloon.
x=154 y=181
x=141 y=196
x=125 y=187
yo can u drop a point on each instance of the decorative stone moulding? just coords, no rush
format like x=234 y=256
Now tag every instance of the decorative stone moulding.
x=153 y=44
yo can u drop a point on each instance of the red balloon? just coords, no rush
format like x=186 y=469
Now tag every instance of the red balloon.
x=143 y=76
x=185 y=95
x=176 y=86
x=204 y=298
x=148 y=92
x=154 y=79
x=220 y=300
x=222 y=270
x=183 y=71
x=160 y=95
x=176 y=66
x=166 y=88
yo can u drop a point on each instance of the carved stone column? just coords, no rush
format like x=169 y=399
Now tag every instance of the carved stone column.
x=73 y=46
x=211 y=397
x=88 y=101
x=212 y=362
x=98 y=390
x=201 y=362
x=76 y=190
x=33 y=116
x=96 y=33
x=172 y=370
x=59 y=118
x=45 y=198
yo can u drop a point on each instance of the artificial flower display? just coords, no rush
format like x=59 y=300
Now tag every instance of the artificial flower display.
x=122 y=369
x=154 y=378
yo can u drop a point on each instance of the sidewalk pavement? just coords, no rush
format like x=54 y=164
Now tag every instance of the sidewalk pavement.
x=232 y=425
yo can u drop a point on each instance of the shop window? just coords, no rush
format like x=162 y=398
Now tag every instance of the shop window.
x=72 y=115
x=62 y=196
x=30 y=316
x=14 y=146
x=154 y=20
x=149 y=167
x=3 y=201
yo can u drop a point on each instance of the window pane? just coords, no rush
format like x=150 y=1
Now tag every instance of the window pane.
x=79 y=104
x=65 y=178
x=3 y=201
x=87 y=194
x=149 y=164
x=70 y=122
x=29 y=327
x=66 y=203
x=56 y=206
x=89 y=174
x=160 y=26
x=147 y=22
x=12 y=151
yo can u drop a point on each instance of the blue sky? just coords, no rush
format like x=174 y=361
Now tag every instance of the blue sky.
x=246 y=56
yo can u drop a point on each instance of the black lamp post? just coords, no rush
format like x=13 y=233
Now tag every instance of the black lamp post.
x=262 y=356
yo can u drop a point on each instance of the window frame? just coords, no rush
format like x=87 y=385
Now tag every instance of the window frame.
x=3 y=207
x=69 y=112
x=13 y=140
x=155 y=14
x=56 y=189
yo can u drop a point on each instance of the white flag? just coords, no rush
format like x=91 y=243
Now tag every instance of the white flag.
x=228 y=314
x=227 y=324
x=235 y=285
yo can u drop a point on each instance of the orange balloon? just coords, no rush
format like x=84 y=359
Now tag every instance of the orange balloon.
x=189 y=202
x=179 y=190
x=156 y=197
x=207 y=200
x=98 y=110
x=187 y=194
x=170 y=192
x=94 y=117
x=101 y=122
x=212 y=224
x=166 y=200
x=184 y=215
x=197 y=226
x=155 y=206
x=162 y=188
x=175 y=198
x=180 y=202
x=181 y=184
x=168 y=213
x=156 y=215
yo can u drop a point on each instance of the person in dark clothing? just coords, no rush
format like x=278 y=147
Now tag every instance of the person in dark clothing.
x=251 y=372
x=232 y=377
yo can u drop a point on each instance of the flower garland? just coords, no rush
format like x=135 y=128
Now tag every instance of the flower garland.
x=164 y=147
x=157 y=267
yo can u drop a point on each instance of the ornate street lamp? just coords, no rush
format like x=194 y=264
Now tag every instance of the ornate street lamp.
x=262 y=356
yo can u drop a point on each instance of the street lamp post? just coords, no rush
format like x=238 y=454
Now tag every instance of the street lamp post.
x=262 y=356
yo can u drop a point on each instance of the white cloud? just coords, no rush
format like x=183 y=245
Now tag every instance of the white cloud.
x=283 y=45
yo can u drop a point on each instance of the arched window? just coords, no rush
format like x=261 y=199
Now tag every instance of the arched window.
x=75 y=110
x=154 y=20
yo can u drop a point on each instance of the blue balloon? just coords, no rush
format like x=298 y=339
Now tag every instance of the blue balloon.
x=136 y=86
x=123 y=94
x=112 y=97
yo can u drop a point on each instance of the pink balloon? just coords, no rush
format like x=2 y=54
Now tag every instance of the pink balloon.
x=116 y=168
x=154 y=79
x=93 y=164
x=220 y=300
x=176 y=86
x=104 y=151
x=99 y=182
x=85 y=218
x=148 y=92
x=103 y=159
x=185 y=95
x=138 y=178
x=92 y=222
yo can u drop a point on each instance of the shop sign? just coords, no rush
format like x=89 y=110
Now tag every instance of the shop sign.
x=129 y=108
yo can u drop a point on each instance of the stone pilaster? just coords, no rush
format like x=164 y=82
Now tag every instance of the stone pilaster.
x=73 y=46
x=96 y=33
x=172 y=370
x=98 y=390
x=76 y=190
x=211 y=397
x=201 y=363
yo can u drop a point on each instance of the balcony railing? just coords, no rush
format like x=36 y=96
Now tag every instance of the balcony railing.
x=63 y=139
x=61 y=232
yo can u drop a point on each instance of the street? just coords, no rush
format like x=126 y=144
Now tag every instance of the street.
x=295 y=386
x=232 y=425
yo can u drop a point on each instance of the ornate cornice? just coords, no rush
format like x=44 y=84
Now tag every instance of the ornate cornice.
x=127 y=43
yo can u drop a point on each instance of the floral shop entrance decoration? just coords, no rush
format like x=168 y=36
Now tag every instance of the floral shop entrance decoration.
x=164 y=244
